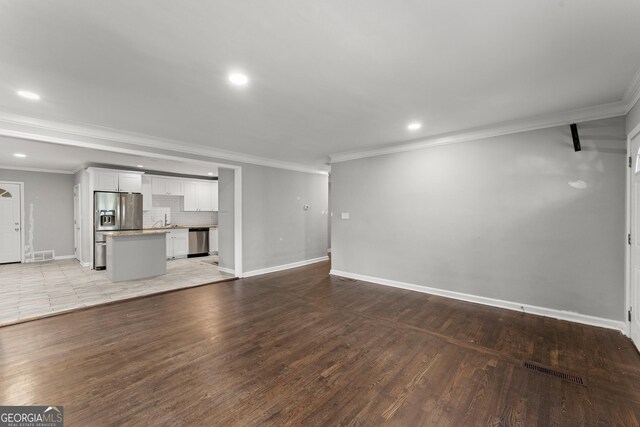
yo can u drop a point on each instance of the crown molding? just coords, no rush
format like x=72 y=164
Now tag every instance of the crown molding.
x=632 y=94
x=101 y=138
x=614 y=109
x=95 y=137
x=19 y=168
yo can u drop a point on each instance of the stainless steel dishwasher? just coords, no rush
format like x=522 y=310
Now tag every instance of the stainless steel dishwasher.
x=198 y=242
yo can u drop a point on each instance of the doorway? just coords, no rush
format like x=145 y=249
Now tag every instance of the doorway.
x=10 y=222
x=633 y=277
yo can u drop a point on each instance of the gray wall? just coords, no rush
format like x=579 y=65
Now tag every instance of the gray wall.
x=226 y=245
x=276 y=228
x=52 y=198
x=495 y=218
x=633 y=117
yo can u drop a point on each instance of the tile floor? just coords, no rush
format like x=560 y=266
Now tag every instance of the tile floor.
x=41 y=289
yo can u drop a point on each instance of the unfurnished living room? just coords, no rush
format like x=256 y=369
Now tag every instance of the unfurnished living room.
x=319 y=213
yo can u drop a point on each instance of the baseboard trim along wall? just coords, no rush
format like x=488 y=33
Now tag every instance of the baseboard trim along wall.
x=284 y=266
x=65 y=257
x=509 y=305
x=227 y=270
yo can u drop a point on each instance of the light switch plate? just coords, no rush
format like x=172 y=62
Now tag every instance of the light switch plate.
x=344 y=215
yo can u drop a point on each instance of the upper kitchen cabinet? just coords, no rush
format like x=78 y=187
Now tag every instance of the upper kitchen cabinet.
x=111 y=180
x=201 y=196
x=214 y=196
x=130 y=182
x=167 y=186
x=105 y=181
x=147 y=197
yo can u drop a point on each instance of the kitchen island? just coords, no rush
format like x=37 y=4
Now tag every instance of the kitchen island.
x=136 y=254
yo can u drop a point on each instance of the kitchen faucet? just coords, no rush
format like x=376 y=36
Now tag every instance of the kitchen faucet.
x=164 y=223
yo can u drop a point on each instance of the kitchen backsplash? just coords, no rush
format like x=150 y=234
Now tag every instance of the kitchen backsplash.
x=172 y=206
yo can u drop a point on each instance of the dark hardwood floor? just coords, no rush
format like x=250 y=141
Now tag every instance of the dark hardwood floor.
x=303 y=348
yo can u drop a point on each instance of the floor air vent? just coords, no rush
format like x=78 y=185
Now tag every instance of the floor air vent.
x=574 y=379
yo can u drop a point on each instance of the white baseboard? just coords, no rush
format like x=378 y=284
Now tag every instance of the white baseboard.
x=82 y=263
x=510 y=305
x=284 y=267
x=227 y=270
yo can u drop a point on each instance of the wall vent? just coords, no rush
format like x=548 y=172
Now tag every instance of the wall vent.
x=574 y=379
x=40 y=256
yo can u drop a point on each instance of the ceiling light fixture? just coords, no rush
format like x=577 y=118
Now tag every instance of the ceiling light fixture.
x=238 y=79
x=414 y=126
x=210 y=174
x=20 y=155
x=140 y=166
x=28 y=95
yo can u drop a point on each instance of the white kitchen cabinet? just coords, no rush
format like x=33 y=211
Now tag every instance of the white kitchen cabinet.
x=175 y=187
x=177 y=243
x=129 y=182
x=105 y=181
x=181 y=244
x=200 y=196
x=159 y=185
x=190 y=196
x=126 y=182
x=169 y=246
x=205 y=196
x=213 y=241
x=147 y=194
x=167 y=186
x=214 y=196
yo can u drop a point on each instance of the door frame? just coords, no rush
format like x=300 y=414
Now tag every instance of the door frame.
x=237 y=232
x=627 y=276
x=237 y=190
x=77 y=244
x=21 y=185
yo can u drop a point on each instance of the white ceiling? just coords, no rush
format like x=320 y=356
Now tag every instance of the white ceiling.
x=67 y=159
x=327 y=76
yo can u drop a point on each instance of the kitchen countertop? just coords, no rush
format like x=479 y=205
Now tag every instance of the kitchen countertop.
x=180 y=227
x=134 y=232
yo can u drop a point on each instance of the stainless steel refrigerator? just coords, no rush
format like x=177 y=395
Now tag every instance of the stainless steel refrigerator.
x=113 y=212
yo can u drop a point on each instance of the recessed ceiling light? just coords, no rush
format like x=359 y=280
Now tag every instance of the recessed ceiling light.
x=414 y=126
x=210 y=174
x=28 y=95
x=20 y=155
x=140 y=166
x=239 y=79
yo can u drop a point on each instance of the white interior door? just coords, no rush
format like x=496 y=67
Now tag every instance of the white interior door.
x=635 y=242
x=10 y=223
x=77 y=230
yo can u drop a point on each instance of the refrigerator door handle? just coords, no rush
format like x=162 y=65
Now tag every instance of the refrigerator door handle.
x=122 y=203
x=119 y=212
